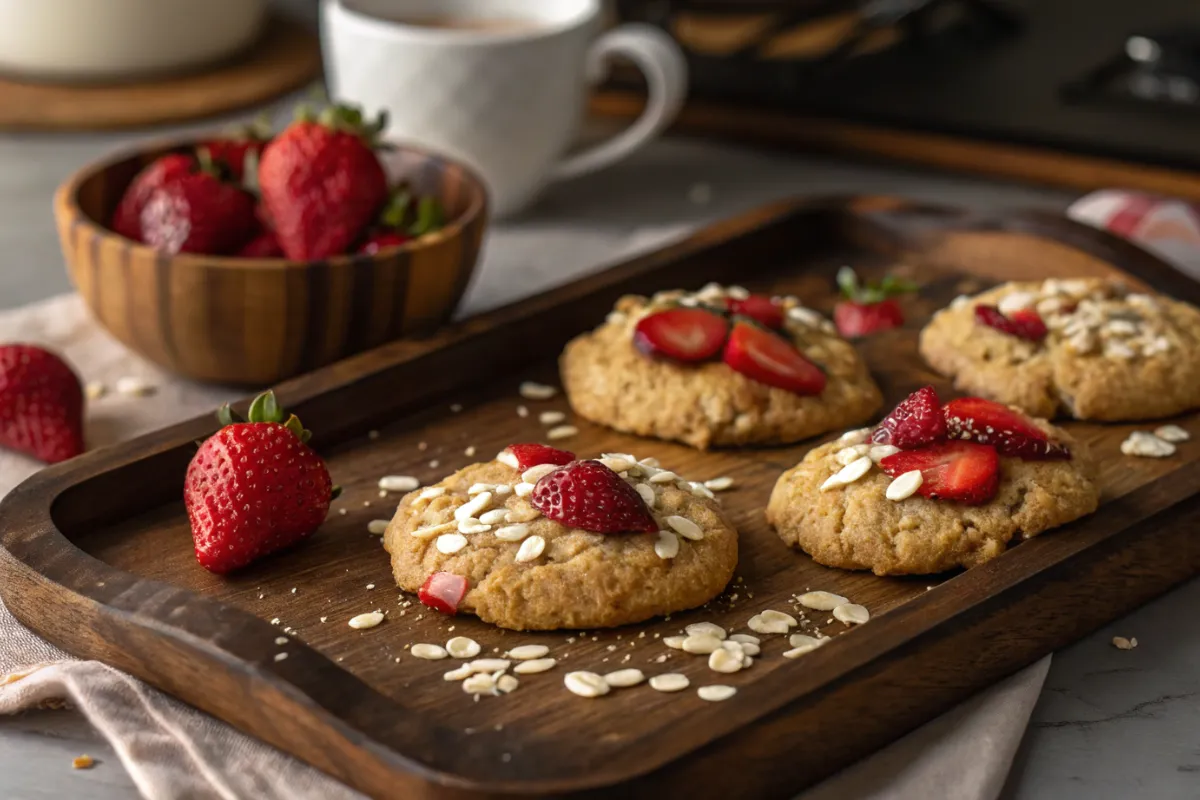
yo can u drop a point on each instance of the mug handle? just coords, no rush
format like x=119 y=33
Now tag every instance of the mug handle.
x=658 y=57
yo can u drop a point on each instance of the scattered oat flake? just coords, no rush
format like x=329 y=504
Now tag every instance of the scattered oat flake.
x=536 y=391
x=378 y=526
x=343 y=511
x=561 y=432
x=429 y=652
x=372 y=435
x=1172 y=433
x=507 y=683
x=281 y=656
x=134 y=387
x=368 y=620
x=399 y=483
x=624 y=678
x=585 y=684
x=716 y=693
x=478 y=684
x=434 y=464
x=1147 y=445
x=851 y=614
x=822 y=601
x=534 y=666
x=455 y=408
x=669 y=682
x=469 y=452
x=674 y=642
x=83 y=762
x=1121 y=643
x=528 y=652
x=95 y=390
x=281 y=640
x=725 y=661
x=522 y=411
x=551 y=417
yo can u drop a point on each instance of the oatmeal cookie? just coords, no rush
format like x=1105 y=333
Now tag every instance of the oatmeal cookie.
x=527 y=572
x=707 y=403
x=1107 y=354
x=857 y=526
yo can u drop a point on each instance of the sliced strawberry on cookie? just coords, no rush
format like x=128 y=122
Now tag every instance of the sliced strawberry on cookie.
x=760 y=308
x=1024 y=324
x=995 y=424
x=682 y=334
x=964 y=472
x=524 y=456
x=767 y=358
x=443 y=591
x=869 y=308
x=589 y=495
x=917 y=421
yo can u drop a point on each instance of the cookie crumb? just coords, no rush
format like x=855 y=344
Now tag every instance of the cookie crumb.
x=1121 y=643
x=531 y=390
x=83 y=762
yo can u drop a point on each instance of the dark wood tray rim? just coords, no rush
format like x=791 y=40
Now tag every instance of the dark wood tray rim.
x=36 y=556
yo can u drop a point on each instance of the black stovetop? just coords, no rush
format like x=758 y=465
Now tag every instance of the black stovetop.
x=1117 y=78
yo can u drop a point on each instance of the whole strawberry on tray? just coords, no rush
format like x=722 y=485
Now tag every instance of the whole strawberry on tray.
x=254 y=487
x=867 y=308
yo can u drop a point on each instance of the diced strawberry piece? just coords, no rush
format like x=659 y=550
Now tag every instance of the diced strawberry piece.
x=861 y=319
x=760 y=308
x=531 y=455
x=915 y=422
x=965 y=472
x=1024 y=324
x=589 y=495
x=684 y=334
x=767 y=358
x=443 y=591
x=1009 y=431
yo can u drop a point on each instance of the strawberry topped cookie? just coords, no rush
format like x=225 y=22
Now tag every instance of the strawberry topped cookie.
x=717 y=367
x=1085 y=348
x=539 y=540
x=935 y=486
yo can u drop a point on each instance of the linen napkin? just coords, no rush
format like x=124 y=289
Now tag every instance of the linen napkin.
x=173 y=751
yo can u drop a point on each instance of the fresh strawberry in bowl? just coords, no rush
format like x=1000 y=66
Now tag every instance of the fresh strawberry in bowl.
x=239 y=150
x=403 y=220
x=218 y=259
x=254 y=487
x=869 y=308
x=41 y=404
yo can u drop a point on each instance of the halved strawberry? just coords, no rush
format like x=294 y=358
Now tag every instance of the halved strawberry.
x=764 y=357
x=760 y=308
x=531 y=455
x=861 y=319
x=916 y=421
x=443 y=591
x=590 y=496
x=684 y=334
x=1009 y=431
x=965 y=472
x=1024 y=324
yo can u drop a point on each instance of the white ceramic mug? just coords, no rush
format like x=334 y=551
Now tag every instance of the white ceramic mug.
x=508 y=100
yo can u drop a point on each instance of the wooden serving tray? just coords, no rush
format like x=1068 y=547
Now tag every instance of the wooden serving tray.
x=97 y=556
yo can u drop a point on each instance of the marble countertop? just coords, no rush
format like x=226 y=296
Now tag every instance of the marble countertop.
x=1110 y=724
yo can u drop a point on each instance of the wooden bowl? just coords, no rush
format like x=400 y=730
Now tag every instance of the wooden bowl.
x=258 y=321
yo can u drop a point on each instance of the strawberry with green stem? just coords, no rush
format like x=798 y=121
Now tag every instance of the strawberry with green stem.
x=254 y=487
x=869 y=308
x=238 y=150
x=400 y=222
x=199 y=212
x=321 y=183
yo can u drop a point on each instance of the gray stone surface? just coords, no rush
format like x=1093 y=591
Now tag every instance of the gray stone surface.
x=1110 y=724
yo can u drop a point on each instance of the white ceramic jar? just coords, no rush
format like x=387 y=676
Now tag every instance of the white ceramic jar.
x=119 y=39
